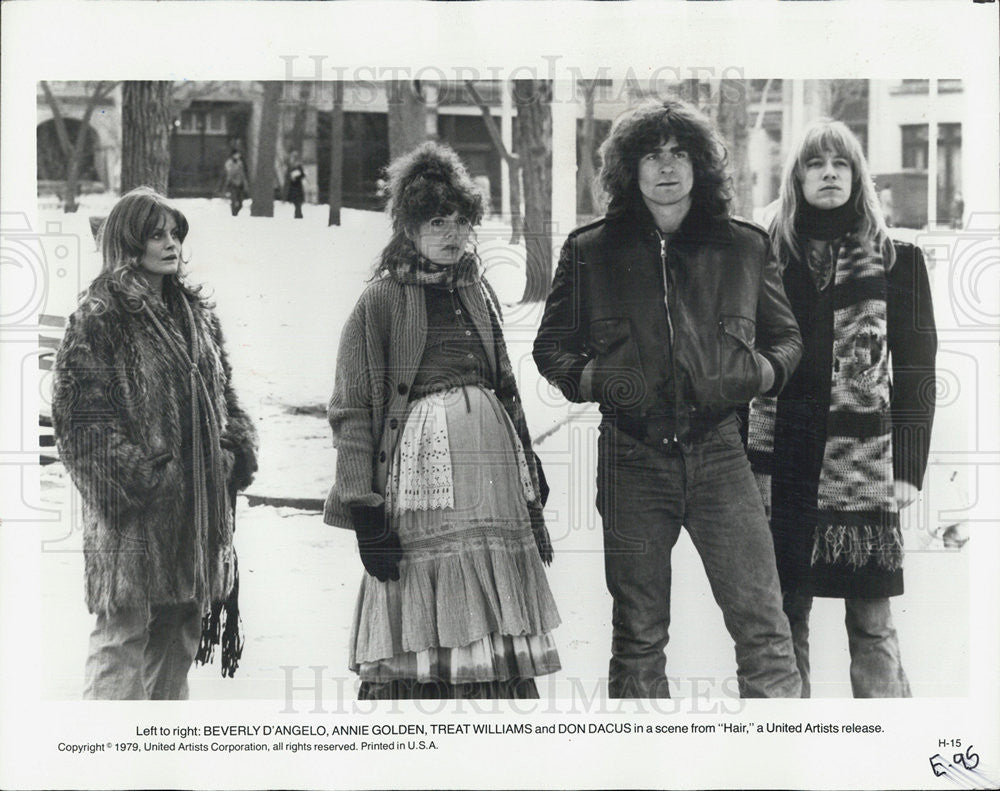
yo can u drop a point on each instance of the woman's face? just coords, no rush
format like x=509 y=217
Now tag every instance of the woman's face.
x=162 y=255
x=442 y=240
x=826 y=180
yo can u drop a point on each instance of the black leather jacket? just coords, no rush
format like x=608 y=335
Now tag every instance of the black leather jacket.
x=668 y=368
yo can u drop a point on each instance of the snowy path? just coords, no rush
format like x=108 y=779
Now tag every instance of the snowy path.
x=283 y=290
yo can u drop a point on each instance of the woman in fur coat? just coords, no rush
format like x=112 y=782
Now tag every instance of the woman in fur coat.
x=435 y=471
x=154 y=438
x=845 y=445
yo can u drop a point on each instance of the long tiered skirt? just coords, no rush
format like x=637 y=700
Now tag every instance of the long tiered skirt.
x=472 y=612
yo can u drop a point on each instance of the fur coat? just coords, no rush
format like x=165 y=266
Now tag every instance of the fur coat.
x=122 y=412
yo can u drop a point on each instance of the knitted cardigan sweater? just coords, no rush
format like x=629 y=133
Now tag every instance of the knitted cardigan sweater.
x=381 y=346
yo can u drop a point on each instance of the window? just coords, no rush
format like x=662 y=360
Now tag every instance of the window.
x=949 y=162
x=215 y=122
x=949 y=184
x=203 y=120
x=923 y=86
x=189 y=122
x=914 y=146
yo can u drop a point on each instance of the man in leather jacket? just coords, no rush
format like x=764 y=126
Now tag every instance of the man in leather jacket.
x=670 y=314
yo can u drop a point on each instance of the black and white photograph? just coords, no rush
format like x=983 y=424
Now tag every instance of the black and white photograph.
x=434 y=380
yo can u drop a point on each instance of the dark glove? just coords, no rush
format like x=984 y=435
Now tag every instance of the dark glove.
x=377 y=543
x=543 y=485
x=541 y=534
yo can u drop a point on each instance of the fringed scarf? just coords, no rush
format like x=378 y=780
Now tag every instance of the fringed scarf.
x=857 y=521
x=209 y=498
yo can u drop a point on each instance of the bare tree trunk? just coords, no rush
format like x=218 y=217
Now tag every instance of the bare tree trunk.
x=73 y=151
x=587 y=193
x=146 y=134
x=336 y=189
x=733 y=125
x=513 y=163
x=407 y=117
x=516 y=215
x=533 y=99
x=262 y=189
x=299 y=121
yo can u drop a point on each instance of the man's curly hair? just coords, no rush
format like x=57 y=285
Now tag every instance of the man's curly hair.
x=429 y=181
x=647 y=127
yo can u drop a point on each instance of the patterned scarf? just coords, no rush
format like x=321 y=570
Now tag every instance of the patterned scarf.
x=857 y=521
x=415 y=270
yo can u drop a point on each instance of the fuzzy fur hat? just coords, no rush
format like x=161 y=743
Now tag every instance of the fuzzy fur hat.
x=430 y=181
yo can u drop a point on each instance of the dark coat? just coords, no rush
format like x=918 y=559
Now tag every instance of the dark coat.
x=296 y=191
x=800 y=422
x=122 y=416
x=609 y=335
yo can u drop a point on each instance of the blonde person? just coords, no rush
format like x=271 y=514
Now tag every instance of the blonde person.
x=844 y=446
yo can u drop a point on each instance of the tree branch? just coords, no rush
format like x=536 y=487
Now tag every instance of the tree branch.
x=61 y=134
x=491 y=125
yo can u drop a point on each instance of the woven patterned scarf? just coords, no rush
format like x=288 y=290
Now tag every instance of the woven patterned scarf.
x=857 y=521
x=415 y=270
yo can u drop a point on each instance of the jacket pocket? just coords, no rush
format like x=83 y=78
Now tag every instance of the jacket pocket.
x=617 y=379
x=739 y=370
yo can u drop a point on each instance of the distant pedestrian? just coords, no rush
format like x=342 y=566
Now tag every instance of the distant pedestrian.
x=435 y=470
x=236 y=183
x=844 y=446
x=153 y=436
x=296 y=189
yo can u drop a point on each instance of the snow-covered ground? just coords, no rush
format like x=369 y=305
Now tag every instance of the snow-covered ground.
x=283 y=289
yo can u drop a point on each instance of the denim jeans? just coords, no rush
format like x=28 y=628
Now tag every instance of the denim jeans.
x=876 y=669
x=645 y=496
x=143 y=654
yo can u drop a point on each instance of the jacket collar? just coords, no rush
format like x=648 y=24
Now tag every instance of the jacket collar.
x=697 y=228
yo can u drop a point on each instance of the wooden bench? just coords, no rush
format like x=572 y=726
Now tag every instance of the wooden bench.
x=50 y=335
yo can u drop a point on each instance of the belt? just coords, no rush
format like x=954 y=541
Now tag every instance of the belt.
x=659 y=432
